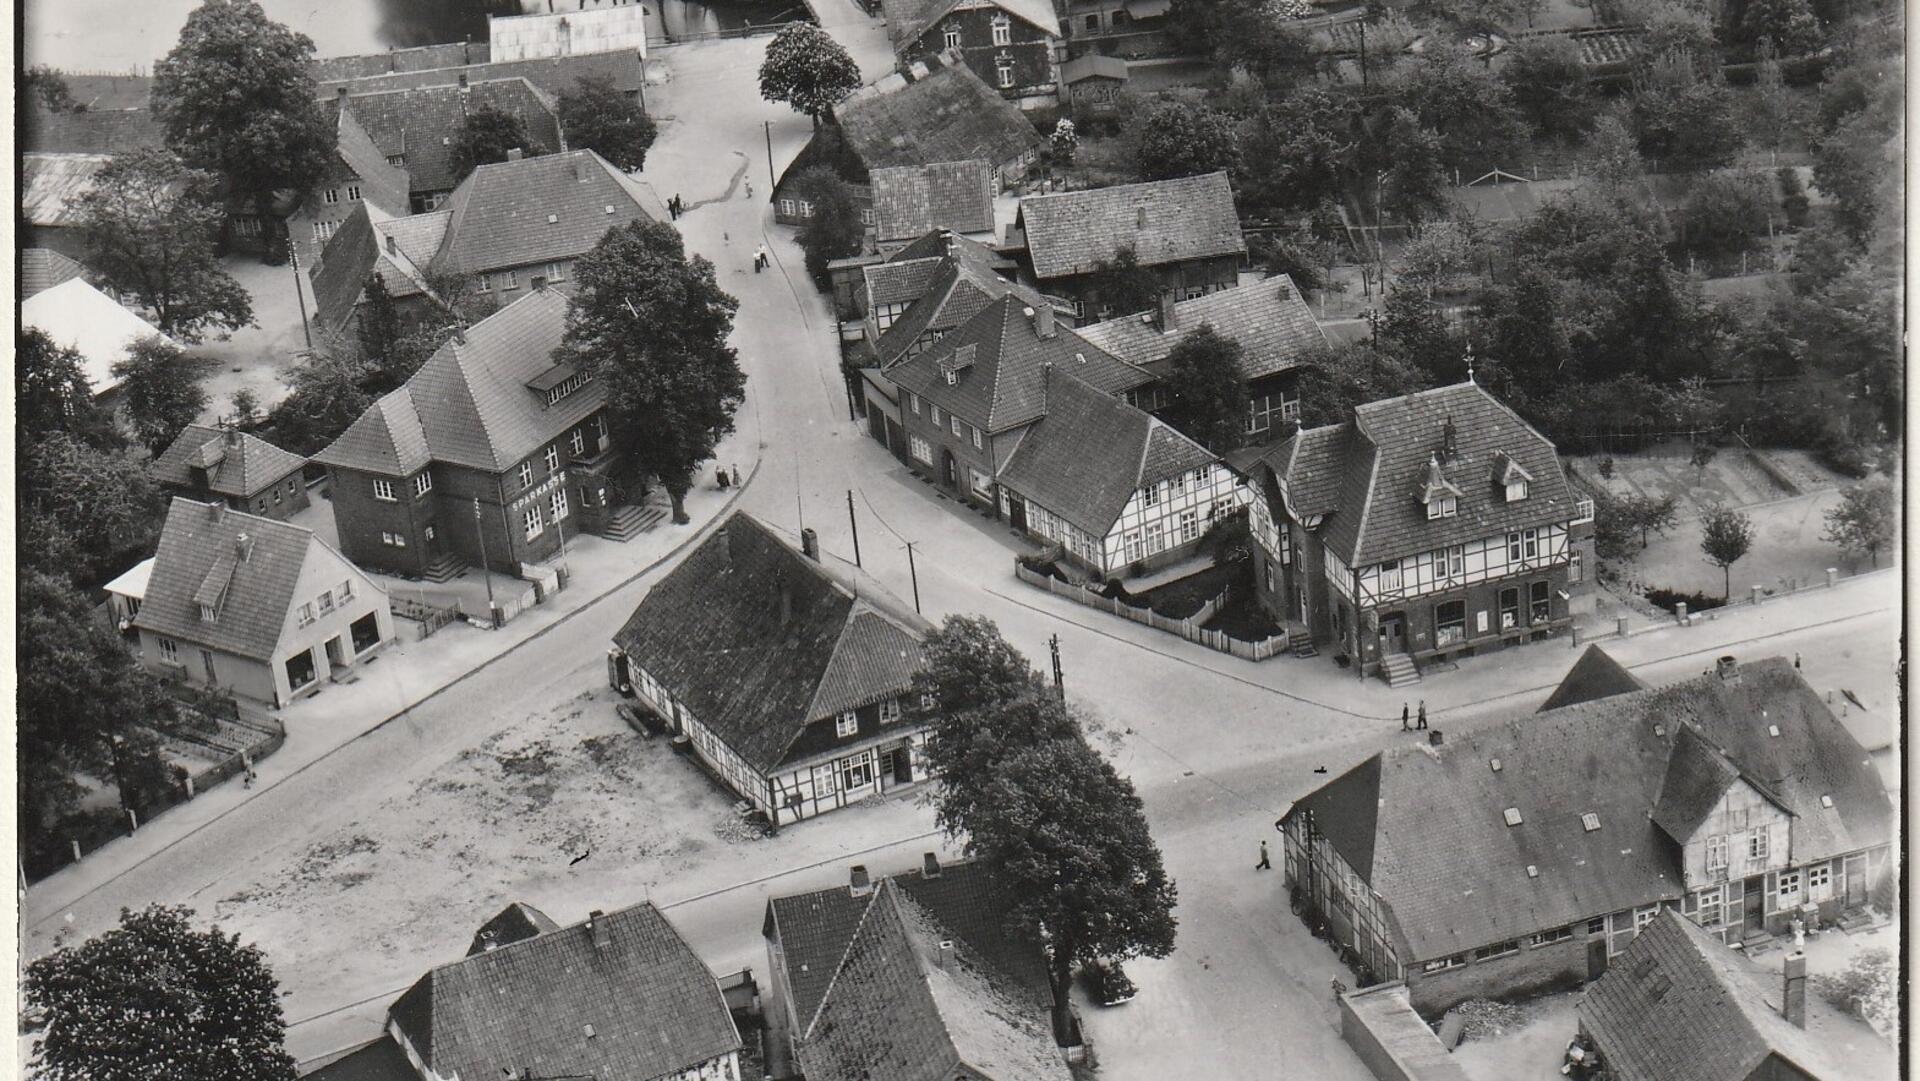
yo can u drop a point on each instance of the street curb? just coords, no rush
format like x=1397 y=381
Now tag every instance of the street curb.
x=725 y=510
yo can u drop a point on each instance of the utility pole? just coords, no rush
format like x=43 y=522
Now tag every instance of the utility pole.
x=307 y=331
x=480 y=531
x=1363 y=54
x=1059 y=688
x=855 y=523
x=915 y=575
x=767 y=126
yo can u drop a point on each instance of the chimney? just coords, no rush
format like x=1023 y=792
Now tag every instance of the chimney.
x=1793 y=989
x=393 y=246
x=1042 y=321
x=516 y=154
x=463 y=83
x=233 y=437
x=488 y=941
x=597 y=928
x=216 y=511
x=810 y=544
x=343 y=95
x=929 y=866
x=1449 y=440
x=1433 y=737
x=858 y=884
x=1726 y=667
x=1286 y=288
x=460 y=334
x=943 y=954
x=1168 y=317
x=243 y=546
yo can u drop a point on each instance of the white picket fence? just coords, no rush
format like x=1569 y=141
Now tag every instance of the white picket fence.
x=1191 y=628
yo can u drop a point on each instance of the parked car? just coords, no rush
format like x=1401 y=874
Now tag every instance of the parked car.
x=1109 y=984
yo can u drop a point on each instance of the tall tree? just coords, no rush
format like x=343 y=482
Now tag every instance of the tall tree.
x=1335 y=378
x=1684 y=115
x=1549 y=85
x=236 y=97
x=1179 y=139
x=597 y=116
x=487 y=136
x=156 y=998
x=806 y=68
x=152 y=225
x=1471 y=110
x=1726 y=535
x=48 y=88
x=835 y=230
x=1121 y=286
x=1209 y=400
x=1615 y=154
x=50 y=392
x=1789 y=25
x=1413 y=328
x=101 y=501
x=653 y=324
x=378 y=323
x=1865 y=520
x=160 y=391
x=327 y=393
x=1294 y=151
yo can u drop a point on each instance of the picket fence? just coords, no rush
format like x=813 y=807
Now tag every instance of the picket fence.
x=1190 y=628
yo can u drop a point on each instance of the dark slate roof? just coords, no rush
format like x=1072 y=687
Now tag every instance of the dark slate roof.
x=236 y=463
x=1091 y=451
x=950 y=115
x=909 y=20
x=535 y=210
x=955 y=290
x=1698 y=777
x=653 y=1006
x=942 y=242
x=382 y=185
x=379 y=1060
x=1003 y=385
x=109 y=131
x=513 y=923
x=1424 y=825
x=346 y=262
x=1163 y=221
x=552 y=76
x=197 y=559
x=711 y=632
x=1378 y=514
x=1678 y=1004
x=1595 y=675
x=899 y=282
x=469 y=403
x=912 y=199
x=418 y=58
x=44 y=268
x=419 y=123
x=101 y=93
x=1269 y=319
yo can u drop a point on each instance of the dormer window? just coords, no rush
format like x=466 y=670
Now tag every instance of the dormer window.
x=1443 y=507
x=847 y=724
x=206 y=613
x=1511 y=815
x=1515 y=481
x=1516 y=490
x=1440 y=495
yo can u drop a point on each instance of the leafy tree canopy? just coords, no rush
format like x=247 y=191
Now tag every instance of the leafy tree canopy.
x=1471 y=110
x=487 y=136
x=1295 y=150
x=48 y=88
x=101 y=501
x=1335 y=378
x=1865 y=521
x=597 y=116
x=1549 y=86
x=327 y=393
x=1122 y=286
x=1180 y=139
x=835 y=230
x=1726 y=535
x=51 y=393
x=160 y=391
x=1209 y=400
x=1684 y=115
x=806 y=68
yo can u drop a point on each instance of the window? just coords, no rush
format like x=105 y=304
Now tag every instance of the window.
x=396 y=159
x=423 y=483
x=322 y=230
x=1002 y=30
x=331 y=195
x=1539 y=602
x=1150 y=495
x=913 y=402
x=787 y=208
x=933 y=414
x=1199 y=479
x=536 y=524
x=1093 y=22
x=1820 y=882
x=1716 y=854
x=847 y=724
x=1575 y=572
x=1523 y=545
x=921 y=450
x=169 y=651
x=1189 y=525
x=397 y=540
x=306 y=614
x=857 y=772
x=566 y=387
x=951 y=38
x=976 y=439
x=1548 y=938
x=485 y=281
x=509 y=279
x=1458 y=960
x=1445 y=506
x=1177 y=485
x=1156 y=538
x=427 y=533
x=868 y=217
x=982 y=484
x=248 y=226
x=353 y=193
x=953 y=422
x=206 y=613
x=1004 y=69
x=890 y=711
x=806 y=209
x=553 y=457
x=579 y=442
x=1710 y=912
x=1450 y=623
x=557 y=272
x=1757 y=845
x=1644 y=916
x=526 y=474
x=345 y=591
x=1789 y=888
x=558 y=504
x=1450 y=562
x=1516 y=490
x=1509 y=609
x=1290 y=410
x=1597 y=925
x=383 y=489
x=326 y=602
x=1498 y=949
x=1390 y=576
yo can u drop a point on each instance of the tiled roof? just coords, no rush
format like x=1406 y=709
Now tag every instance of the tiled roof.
x=237 y=463
x=513 y=923
x=712 y=632
x=257 y=593
x=418 y=235
x=1378 y=514
x=1163 y=221
x=1003 y=385
x=1594 y=676
x=108 y=131
x=948 y=116
x=1093 y=66
x=1269 y=319
x=1424 y=826
x=419 y=58
x=899 y=282
x=44 y=268
x=1087 y=456
x=956 y=290
x=419 y=124
x=552 y=76
x=382 y=185
x=101 y=93
x=1678 y=1004
x=641 y=1005
x=379 y=1060
x=346 y=262
x=558 y=206
x=51 y=186
x=909 y=20
x=98 y=327
x=469 y=403
x=909 y=200
x=1697 y=779
x=942 y=242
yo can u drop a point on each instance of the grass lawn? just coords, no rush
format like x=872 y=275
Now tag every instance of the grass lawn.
x=1183 y=597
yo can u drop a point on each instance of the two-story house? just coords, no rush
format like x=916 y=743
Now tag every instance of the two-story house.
x=1528 y=855
x=910 y=977
x=361 y=249
x=1430 y=526
x=1270 y=322
x=254 y=606
x=1012 y=45
x=933 y=285
x=489 y=455
x=244 y=471
x=358 y=177
x=413 y=129
x=787 y=677
x=1114 y=28
x=1186 y=231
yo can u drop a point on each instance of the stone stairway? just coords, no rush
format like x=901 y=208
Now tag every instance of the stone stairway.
x=628 y=522
x=1398 y=670
x=445 y=569
x=1300 y=641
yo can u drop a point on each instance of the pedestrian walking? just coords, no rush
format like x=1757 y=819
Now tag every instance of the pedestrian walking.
x=749 y=189
x=1406 y=718
x=1423 y=715
x=1796 y=660
x=1265 y=864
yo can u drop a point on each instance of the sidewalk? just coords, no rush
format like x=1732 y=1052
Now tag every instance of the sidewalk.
x=404 y=675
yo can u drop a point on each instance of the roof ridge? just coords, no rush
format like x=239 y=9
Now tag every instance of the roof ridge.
x=1366 y=505
x=880 y=888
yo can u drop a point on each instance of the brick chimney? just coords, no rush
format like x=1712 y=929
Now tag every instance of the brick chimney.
x=393 y=246
x=1042 y=317
x=858 y=883
x=516 y=154
x=243 y=547
x=810 y=544
x=943 y=954
x=929 y=865
x=597 y=928
x=1168 y=317
x=1726 y=667
x=1793 y=989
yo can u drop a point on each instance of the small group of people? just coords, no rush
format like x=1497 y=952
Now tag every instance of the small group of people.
x=1408 y=722
x=676 y=208
x=761 y=260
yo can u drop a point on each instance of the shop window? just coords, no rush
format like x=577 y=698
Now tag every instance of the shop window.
x=1450 y=623
x=1509 y=609
x=1539 y=602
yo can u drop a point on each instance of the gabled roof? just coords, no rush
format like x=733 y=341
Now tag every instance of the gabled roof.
x=1163 y=221
x=1269 y=319
x=382 y=185
x=909 y=20
x=418 y=236
x=553 y=76
x=1595 y=675
x=420 y=123
x=950 y=115
x=377 y=1060
x=469 y=404
x=44 y=268
x=1378 y=514
x=1003 y=385
x=909 y=200
x=1091 y=451
x=254 y=593
x=513 y=923
x=1679 y=1003
x=950 y=292
x=1425 y=826
x=331 y=69
x=236 y=463
x=1698 y=776
x=51 y=186
x=76 y=315
x=1093 y=66
x=898 y=282
x=554 y=207
x=346 y=262
x=640 y=1005
x=102 y=92
x=712 y=632
x=106 y=131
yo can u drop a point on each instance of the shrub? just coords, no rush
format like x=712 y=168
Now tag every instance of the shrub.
x=1669 y=599
x=1866 y=989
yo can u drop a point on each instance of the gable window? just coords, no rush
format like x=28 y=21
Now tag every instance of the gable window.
x=1177 y=485
x=1002 y=30
x=423 y=483
x=353 y=193
x=536 y=524
x=847 y=724
x=345 y=591
x=322 y=229
x=1539 y=602
x=1004 y=69
x=383 y=490
x=788 y=208
x=306 y=614
x=1716 y=854
x=206 y=613
x=553 y=457
x=1589 y=822
x=326 y=602
x=169 y=651
x=1516 y=489
x=1445 y=506
x=1200 y=478
x=578 y=442
x=1757 y=845
x=1450 y=623
x=331 y=195
x=526 y=474
x=950 y=38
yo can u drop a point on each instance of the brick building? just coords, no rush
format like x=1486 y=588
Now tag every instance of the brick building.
x=490 y=454
x=1012 y=45
x=359 y=177
x=1528 y=855
x=1429 y=527
x=413 y=128
x=243 y=471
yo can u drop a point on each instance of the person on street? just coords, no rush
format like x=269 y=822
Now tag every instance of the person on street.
x=761 y=260
x=1423 y=716
x=1265 y=864
x=1406 y=718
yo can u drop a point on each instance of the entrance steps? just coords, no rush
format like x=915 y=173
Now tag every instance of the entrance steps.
x=445 y=569
x=628 y=522
x=1398 y=670
x=1301 y=643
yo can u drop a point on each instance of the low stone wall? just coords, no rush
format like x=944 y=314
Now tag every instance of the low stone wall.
x=1192 y=628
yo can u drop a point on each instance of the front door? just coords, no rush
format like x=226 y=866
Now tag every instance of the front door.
x=1856 y=875
x=1756 y=904
x=903 y=766
x=336 y=653
x=1596 y=958
x=1393 y=633
x=946 y=464
x=1017 y=512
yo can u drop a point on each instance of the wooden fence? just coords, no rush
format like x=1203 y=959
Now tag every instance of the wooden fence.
x=1191 y=628
x=431 y=617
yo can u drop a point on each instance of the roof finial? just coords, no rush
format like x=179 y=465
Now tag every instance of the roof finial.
x=1470 y=360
